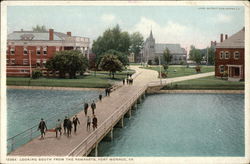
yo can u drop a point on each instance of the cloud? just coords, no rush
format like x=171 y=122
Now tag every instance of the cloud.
x=108 y=18
x=173 y=32
x=221 y=18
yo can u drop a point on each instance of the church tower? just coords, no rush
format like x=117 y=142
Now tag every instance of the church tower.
x=149 y=48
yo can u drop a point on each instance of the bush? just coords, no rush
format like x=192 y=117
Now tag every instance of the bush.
x=182 y=62
x=36 y=74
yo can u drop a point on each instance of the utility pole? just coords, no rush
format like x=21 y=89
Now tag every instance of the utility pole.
x=160 y=68
x=30 y=63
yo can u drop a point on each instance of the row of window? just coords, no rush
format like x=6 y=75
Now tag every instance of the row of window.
x=26 y=61
x=38 y=51
x=226 y=55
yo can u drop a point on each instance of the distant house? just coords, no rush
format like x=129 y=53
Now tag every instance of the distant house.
x=229 y=56
x=151 y=50
x=27 y=50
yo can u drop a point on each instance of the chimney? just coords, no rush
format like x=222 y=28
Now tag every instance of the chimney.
x=69 y=33
x=215 y=43
x=226 y=37
x=51 y=34
x=221 y=37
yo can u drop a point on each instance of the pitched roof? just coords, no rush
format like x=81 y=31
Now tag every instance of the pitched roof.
x=17 y=35
x=173 y=48
x=237 y=40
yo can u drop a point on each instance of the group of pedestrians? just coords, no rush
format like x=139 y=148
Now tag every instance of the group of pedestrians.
x=107 y=91
x=68 y=124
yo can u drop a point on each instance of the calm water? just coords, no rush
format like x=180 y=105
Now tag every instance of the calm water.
x=25 y=108
x=182 y=125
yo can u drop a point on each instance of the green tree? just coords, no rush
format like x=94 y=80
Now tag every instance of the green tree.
x=211 y=54
x=110 y=63
x=120 y=56
x=195 y=55
x=112 y=39
x=156 y=60
x=136 y=44
x=39 y=28
x=167 y=57
x=70 y=62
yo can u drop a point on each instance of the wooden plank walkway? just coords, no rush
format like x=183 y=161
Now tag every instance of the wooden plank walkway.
x=64 y=145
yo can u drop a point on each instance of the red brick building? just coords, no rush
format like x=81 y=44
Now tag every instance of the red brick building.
x=28 y=50
x=229 y=56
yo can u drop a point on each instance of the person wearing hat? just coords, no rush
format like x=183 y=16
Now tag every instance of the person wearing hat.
x=42 y=126
x=58 y=127
x=65 y=123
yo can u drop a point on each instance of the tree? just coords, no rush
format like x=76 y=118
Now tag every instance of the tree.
x=195 y=55
x=70 y=62
x=113 y=39
x=211 y=54
x=39 y=28
x=167 y=57
x=156 y=60
x=120 y=56
x=136 y=44
x=110 y=63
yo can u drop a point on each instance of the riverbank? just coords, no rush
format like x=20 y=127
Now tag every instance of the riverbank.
x=54 y=88
x=206 y=83
x=203 y=91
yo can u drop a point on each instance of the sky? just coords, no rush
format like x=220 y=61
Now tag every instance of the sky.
x=186 y=25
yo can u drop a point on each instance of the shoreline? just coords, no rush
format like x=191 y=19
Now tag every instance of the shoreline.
x=202 y=91
x=54 y=88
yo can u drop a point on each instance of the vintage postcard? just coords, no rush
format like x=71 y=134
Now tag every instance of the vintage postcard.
x=125 y=82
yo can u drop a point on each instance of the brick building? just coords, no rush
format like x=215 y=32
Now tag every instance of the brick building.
x=27 y=50
x=229 y=56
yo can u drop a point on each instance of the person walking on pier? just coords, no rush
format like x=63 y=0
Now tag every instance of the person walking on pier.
x=93 y=106
x=86 y=106
x=42 y=126
x=100 y=97
x=69 y=127
x=75 y=121
x=58 y=127
x=123 y=81
x=65 y=122
x=106 y=91
x=94 y=122
x=88 y=123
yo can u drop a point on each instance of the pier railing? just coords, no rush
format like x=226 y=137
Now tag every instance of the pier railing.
x=92 y=139
x=32 y=132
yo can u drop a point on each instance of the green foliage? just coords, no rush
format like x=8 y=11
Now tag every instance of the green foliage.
x=112 y=39
x=182 y=62
x=167 y=57
x=165 y=67
x=120 y=56
x=195 y=55
x=149 y=62
x=136 y=43
x=70 y=62
x=211 y=55
x=110 y=63
x=36 y=74
x=156 y=60
x=39 y=28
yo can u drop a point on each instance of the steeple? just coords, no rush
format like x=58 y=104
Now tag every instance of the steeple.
x=151 y=34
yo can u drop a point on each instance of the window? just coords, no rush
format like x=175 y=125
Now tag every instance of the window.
x=227 y=55
x=7 y=61
x=222 y=68
x=38 y=52
x=25 y=51
x=25 y=62
x=236 y=55
x=44 y=50
x=12 y=51
x=12 y=61
x=222 y=55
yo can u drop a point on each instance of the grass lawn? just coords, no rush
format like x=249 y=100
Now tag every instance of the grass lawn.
x=100 y=80
x=177 y=71
x=207 y=83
